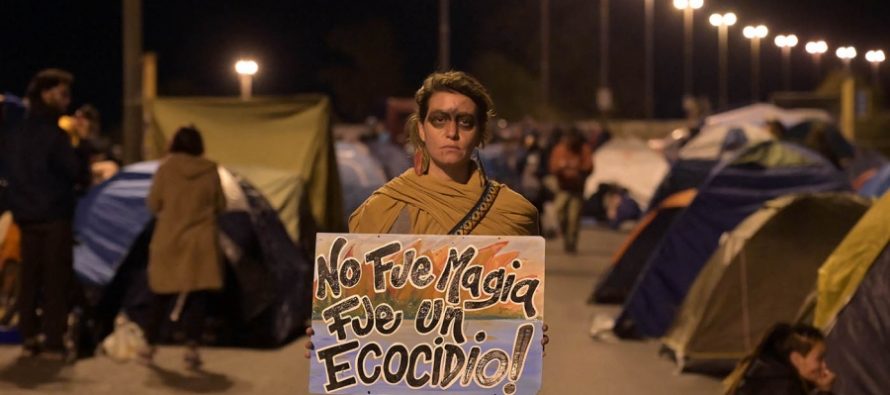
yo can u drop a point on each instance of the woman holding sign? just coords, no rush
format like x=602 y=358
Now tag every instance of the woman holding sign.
x=447 y=192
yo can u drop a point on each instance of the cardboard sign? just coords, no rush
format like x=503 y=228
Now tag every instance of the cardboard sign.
x=399 y=314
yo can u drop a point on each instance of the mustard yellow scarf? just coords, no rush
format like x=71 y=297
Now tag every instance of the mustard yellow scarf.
x=436 y=206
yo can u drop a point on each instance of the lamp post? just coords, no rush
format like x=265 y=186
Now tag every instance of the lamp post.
x=688 y=7
x=246 y=69
x=649 y=104
x=722 y=23
x=785 y=43
x=816 y=49
x=875 y=57
x=846 y=54
x=755 y=34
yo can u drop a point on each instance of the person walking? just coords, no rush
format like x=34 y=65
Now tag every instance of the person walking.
x=184 y=265
x=571 y=161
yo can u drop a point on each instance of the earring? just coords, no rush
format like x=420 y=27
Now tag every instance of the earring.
x=421 y=161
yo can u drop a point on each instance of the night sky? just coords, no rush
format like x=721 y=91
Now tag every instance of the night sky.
x=361 y=52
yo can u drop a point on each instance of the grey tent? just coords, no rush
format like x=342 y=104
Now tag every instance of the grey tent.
x=762 y=273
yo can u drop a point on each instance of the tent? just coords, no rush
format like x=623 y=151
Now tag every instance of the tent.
x=762 y=273
x=701 y=153
x=632 y=256
x=630 y=163
x=285 y=139
x=268 y=276
x=878 y=184
x=360 y=174
x=684 y=174
x=852 y=305
x=735 y=189
x=760 y=113
x=864 y=165
x=823 y=138
x=716 y=142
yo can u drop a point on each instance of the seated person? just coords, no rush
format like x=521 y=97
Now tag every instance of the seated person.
x=789 y=360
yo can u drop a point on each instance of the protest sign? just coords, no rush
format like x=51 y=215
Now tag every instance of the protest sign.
x=415 y=314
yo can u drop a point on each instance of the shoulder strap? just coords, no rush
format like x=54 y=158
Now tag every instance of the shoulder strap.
x=475 y=215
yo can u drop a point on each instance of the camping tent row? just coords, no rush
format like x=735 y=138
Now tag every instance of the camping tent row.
x=646 y=173
x=719 y=198
x=702 y=158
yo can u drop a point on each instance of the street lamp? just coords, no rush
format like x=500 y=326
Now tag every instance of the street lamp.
x=846 y=54
x=875 y=57
x=246 y=68
x=688 y=7
x=755 y=34
x=722 y=23
x=786 y=43
x=816 y=49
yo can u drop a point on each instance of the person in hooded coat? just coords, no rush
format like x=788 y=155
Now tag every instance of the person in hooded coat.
x=184 y=263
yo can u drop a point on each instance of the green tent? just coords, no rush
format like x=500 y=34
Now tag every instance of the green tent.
x=282 y=145
x=841 y=274
x=762 y=273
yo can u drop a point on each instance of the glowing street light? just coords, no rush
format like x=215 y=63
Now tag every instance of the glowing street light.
x=722 y=23
x=786 y=43
x=816 y=49
x=846 y=55
x=246 y=69
x=875 y=57
x=755 y=34
x=688 y=7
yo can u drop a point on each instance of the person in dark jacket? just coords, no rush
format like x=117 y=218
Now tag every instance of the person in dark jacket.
x=44 y=174
x=788 y=361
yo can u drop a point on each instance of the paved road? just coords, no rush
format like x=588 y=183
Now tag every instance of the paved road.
x=575 y=364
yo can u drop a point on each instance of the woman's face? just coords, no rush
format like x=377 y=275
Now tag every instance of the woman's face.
x=810 y=366
x=450 y=131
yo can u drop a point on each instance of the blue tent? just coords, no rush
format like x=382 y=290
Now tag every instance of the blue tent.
x=734 y=190
x=878 y=184
x=360 y=174
x=684 y=174
x=268 y=277
x=700 y=154
x=108 y=221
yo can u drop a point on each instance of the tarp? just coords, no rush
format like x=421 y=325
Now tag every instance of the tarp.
x=717 y=142
x=735 y=190
x=857 y=345
x=842 y=272
x=878 y=184
x=632 y=256
x=360 y=174
x=760 y=113
x=287 y=134
x=271 y=275
x=761 y=274
x=630 y=163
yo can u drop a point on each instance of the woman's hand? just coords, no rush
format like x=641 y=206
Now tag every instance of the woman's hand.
x=309 y=346
x=544 y=340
